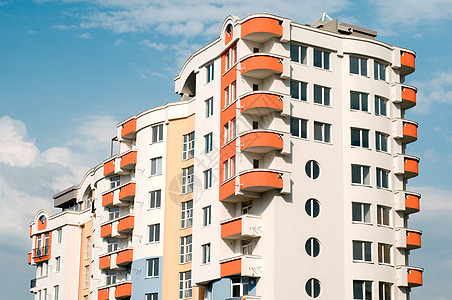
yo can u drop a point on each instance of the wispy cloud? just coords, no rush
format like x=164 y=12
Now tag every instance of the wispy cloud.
x=65 y=27
x=437 y=90
x=86 y=36
x=152 y=45
x=146 y=73
x=119 y=42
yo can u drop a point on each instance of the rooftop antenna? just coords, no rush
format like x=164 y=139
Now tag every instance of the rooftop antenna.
x=324 y=18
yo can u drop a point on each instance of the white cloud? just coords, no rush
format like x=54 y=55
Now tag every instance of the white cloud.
x=430 y=155
x=119 y=42
x=17 y=148
x=146 y=73
x=86 y=36
x=435 y=199
x=65 y=27
x=437 y=90
x=153 y=45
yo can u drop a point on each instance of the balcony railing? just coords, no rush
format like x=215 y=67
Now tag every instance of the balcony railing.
x=40 y=252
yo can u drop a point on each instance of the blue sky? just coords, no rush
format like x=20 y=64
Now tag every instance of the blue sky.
x=70 y=70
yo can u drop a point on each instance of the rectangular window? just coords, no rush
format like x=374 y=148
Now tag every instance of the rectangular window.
x=299 y=127
x=227 y=97
x=383 y=215
x=152 y=296
x=112 y=245
x=207 y=215
x=384 y=253
x=154 y=233
x=186 y=214
x=155 y=199
x=381 y=141
x=362 y=290
x=359 y=137
x=298 y=54
x=233 y=91
x=189 y=146
x=209 y=107
x=322 y=95
x=360 y=174
x=152 y=267
x=111 y=277
x=239 y=287
x=87 y=274
x=115 y=182
x=384 y=291
x=358 y=65
x=298 y=90
x=207 y=179
x=113 y=213
x=380 y=106
x=187 y=180
x=322 y=59
x=88 y=248
x=57 y=264
x=185 y=285
x=362 y=251
x=246 y=207
x=322 y=132
x=229 y=130
x=382 y=178
x=205 y=254
x=210 y=72
x=156 y=166
x=229 y=168
x=185 y=249
x=379 y=71
x=359 y=101
x=157 y=133
x=59 y=232
x=228 y=61
x=208 y=139
x=234 y=55
x=56 y=292
x=44 y=292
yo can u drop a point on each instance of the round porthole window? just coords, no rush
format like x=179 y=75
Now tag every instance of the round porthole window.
x=229 y=29
x=312 y=247
x=313 y=288
x=312 y=169
x=312 y=208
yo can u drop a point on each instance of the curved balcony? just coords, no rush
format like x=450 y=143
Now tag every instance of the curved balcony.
x=408 y=238
x=261 y=65
x=128 y=160
x=261 y=141
x=261 y=180
x=409 y=131
x=125 y=192
x=411 y=166
x=407 y=63
x=244 y=265
x=129 y=129
x=120 y=164
x=245 y=226
x=261 y=103
x=409 y=276
x=407 y=202
x=261 y=29
x=408 y=96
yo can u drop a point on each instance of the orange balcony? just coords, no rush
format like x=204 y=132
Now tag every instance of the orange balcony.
x=245 y=226
x=104 y=262
x=109 y=167
x=260 y=141
x=107 y=199
x=409 y=131
x=408 y=97
x=103 y=294
x=261 y=29
x=412 y=202
x=261 y=103
x=126 y=224
x=244 y=265
x=29 y=258
x=414 y=276
x=407 y=62
x=413 y=239
x=129 y=160
x=411 y=166
x=124 y=257
x=261 y=65
x=129 y=129
x=123 y=290
x=261 y=180
x=105 y=231
x=127 y=192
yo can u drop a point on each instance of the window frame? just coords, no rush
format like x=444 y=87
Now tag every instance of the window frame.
x=384 y=254
x=208 y=142
x=362 y=132
x=381 y=141
x=205 y=254
x=188 y=147
x=301 y=127
x=156 y=197
x=363 y=101
x=362 y=211
x=325 y=59
x=383 y=290
x=301 y=90
x=157 y=133
x=360 y=65
x=156 y=166
x=325 y=131
x=210 y=72
x=382 y=177
x=185 y=286
x=325 y=99
x=209 y=107
x=152 y=267
x=188 y=177
x=229 y=168
x=302 y=54
x=363 y=180
x=208 y=179
x=365 y=286
x=57 y=264
x=186 y=249
x=151 y=296
x=207 y=215
x=87 y=276
x=186 y=214
x=378 y=67
x=381 y=102
x=383 y=215
x=364 y=250
x=154 y=233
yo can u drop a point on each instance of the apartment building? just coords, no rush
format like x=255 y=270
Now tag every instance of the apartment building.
x=281 y=174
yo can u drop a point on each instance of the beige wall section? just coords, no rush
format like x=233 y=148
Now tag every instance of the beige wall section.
x=85 y=260
x=174 y=197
